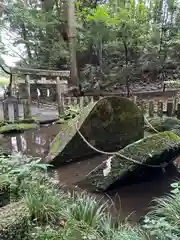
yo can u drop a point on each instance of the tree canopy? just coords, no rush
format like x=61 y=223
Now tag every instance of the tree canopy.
x=117 y=40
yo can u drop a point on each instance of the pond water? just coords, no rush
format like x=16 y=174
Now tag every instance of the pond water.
x=132 y=199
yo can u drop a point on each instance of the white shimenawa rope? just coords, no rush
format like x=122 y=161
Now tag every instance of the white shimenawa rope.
x=163 y=165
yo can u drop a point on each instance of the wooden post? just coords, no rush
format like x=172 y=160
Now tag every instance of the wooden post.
x=28 y=90
x=135 y=99
x=5 y=110
x=86 y=100
x=169 y=109
x=13 y=84
x=75 y=101
x=178 y=111
x=151 y=109
x=59 y=97
x=16 y=111
x=174 y=105
x=81 y=102
x=26 y=108
x=92 y=99
x=69 y=101
x=142 y=107
x=160 y=109
x=17 y=95
x=38 y=97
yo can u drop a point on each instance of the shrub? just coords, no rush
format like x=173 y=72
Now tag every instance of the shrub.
x=14 y=221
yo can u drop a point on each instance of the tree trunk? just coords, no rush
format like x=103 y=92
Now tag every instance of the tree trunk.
x=24 y=34
x=126 y=62
x=72 y=43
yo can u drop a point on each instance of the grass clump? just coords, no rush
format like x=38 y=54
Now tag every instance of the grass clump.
x=86 y=208
x=45 y=204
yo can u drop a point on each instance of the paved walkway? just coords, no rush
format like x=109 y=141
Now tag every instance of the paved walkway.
x=43 y=113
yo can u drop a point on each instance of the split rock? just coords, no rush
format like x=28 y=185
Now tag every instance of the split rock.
x=109 y=124
x=153 y=150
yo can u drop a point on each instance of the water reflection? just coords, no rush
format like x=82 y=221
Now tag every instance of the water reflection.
x=33 y=142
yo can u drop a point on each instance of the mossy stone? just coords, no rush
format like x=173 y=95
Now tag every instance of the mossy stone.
x=154 y=150
x=109 y=124
x=163 y=124
x=17 y=127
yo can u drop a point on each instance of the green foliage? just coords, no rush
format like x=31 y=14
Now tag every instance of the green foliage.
x=48 y=213
x=70 y=113
x=111 y=36
x=14 y=221
x=17 y=127
x=43 y=202
x=163 y=124
x=87 y=209
x=4 y=81
x=163 y=220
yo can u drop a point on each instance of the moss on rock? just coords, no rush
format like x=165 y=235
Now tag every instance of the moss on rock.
x=176 y=130
x=109 y=124
x=70 y=113
x=14 y=220
x=154 y=150
x=163 y=124
x=17 y=127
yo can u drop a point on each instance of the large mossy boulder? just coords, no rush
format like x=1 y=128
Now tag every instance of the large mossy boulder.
x=109 y=124
x=153 y=150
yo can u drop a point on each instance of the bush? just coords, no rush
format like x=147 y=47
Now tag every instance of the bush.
x=14 y=221
x=4 y=190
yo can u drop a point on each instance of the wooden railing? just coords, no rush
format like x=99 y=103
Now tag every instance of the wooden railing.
x=151 y=108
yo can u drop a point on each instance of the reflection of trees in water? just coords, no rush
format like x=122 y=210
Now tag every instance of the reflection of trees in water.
x=35 y=143
x=18 y=144
x=14 y=144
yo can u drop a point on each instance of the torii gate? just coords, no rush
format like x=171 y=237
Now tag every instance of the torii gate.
x=61 y=81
